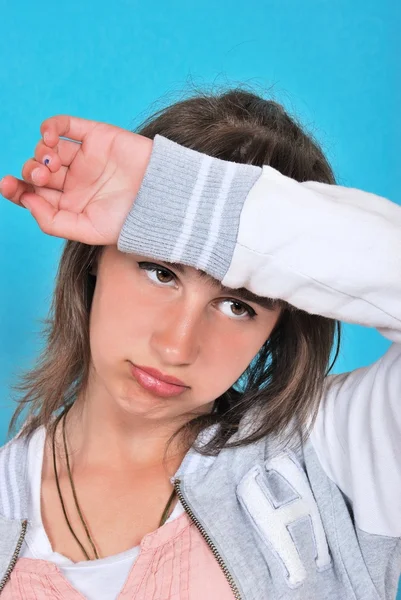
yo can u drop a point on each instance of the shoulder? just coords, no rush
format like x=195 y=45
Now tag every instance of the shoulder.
x=13 y=477
x=15 y=445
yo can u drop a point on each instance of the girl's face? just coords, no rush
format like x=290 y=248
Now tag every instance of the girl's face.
x=151 y=321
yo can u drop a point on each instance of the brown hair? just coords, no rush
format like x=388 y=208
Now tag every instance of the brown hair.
x=283 y=385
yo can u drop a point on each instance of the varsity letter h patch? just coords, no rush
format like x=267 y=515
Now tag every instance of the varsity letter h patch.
x=272 y=518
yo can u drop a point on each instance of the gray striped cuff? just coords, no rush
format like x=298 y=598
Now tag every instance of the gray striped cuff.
x=188 y=208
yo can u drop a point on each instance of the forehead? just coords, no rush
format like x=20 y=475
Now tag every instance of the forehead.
x=241 y=293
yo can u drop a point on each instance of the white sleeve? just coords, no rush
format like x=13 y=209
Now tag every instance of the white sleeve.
x=357 y=437
x=336 y=252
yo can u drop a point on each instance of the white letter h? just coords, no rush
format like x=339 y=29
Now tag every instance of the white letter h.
x=272 y=521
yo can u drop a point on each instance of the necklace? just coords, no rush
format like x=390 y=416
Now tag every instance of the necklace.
x=85 y=526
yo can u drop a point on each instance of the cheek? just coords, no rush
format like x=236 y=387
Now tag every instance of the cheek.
x=228 y=354
x=123 y=317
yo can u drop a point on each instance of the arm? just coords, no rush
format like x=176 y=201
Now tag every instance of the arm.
x=325 y=249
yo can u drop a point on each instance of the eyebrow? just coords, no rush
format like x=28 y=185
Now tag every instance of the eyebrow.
x=241 y=293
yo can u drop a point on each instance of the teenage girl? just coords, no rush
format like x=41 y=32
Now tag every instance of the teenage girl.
x=183 y=439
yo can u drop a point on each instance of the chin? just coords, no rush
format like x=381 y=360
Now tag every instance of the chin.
x=135 y=401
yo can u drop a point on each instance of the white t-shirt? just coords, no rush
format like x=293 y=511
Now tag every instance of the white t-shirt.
x=100 y=579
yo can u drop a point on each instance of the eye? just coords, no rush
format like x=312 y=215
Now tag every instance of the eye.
x=236 y=309
x=158 y=274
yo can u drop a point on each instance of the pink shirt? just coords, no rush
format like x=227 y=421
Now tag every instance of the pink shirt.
x=174 y=563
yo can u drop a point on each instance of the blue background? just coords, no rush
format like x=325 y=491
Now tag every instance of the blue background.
x=333 y=63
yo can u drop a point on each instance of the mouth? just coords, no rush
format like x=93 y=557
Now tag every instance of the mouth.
x=157 y=383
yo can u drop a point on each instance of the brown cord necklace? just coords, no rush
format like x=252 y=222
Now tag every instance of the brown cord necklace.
x=88 y=535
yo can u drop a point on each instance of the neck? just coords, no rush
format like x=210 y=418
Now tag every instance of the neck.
x=102 y=432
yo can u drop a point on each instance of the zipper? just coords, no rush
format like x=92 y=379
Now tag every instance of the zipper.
x=208 y=540
x=15 y=555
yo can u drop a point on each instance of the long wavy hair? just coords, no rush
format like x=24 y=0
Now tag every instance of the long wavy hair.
x=282 y=387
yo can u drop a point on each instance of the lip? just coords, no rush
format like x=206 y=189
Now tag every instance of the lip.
x=158 y=375
x=157 y=383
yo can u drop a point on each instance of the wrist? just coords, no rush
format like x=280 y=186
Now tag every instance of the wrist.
x=188 y=208
x=142 y=153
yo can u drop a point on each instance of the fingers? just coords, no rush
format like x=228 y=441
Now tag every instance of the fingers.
x=65 y=126
x=50 y=165
x=44 y=208
x=15 y=190
x=60 y=223
x=63 y=154
x=38 y=174
x=53 y=197
x=47 y=156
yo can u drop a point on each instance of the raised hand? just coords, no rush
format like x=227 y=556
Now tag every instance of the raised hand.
x=83 y=187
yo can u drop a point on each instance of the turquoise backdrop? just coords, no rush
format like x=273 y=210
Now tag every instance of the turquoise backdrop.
x=335 y=63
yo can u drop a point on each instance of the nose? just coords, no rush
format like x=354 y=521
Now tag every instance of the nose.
x=176 y=339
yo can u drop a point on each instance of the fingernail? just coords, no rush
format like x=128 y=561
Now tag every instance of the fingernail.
x=1 y=185
x=35 y=173
x=46 y=161
x=46 y=137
